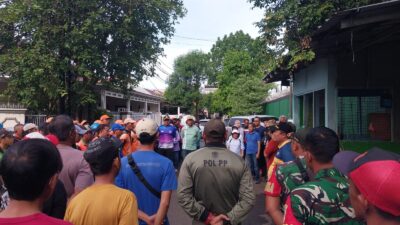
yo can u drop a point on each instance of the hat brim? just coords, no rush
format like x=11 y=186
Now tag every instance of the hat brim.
x=344 y=160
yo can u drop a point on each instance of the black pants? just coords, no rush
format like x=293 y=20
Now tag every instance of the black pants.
x=167 y=152
x=262 y=165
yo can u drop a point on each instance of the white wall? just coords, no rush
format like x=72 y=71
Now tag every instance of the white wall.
x=10 y=118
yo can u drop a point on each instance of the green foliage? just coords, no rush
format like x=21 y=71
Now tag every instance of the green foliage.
x=190 y=71
x=57 y=52
x=240 y=89
x=237 y=41
x=289 y=24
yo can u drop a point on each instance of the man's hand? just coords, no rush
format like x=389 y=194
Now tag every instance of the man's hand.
x=219 y=220
x=152 y=219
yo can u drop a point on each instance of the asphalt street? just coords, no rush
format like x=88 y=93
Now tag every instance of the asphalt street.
x=257 y=215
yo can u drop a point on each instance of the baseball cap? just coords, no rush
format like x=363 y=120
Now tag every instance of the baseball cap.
x=119 y=122
x=375 y=174
x=117 y=126
x=235 y=131
x=94 y=126
x=129 y=120
x=5 y=133
x=190 y=118
x=300 y=135
x=100 y=151
x=146 y=125
x=80 y=130
x=214 y=128
x=29 y=126
x=105 y=117
x=284 y=127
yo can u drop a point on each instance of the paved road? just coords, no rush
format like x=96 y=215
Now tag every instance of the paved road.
x=257 y=215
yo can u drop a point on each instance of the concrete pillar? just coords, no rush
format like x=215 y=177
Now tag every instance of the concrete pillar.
x=103 y=99
x=145 y=106
x=159 y=107
x=128 y=105
x=179 y=110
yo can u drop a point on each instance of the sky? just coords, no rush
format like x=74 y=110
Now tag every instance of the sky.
x=205 y=21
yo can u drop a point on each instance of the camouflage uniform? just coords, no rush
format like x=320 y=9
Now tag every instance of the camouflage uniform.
x=284 y=180
x=325 y=200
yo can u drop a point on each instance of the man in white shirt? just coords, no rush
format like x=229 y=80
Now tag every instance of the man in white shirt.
x=235 y=143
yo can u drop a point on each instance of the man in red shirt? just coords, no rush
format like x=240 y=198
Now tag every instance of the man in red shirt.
x=33 y=163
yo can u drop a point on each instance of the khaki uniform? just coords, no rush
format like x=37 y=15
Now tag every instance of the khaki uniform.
x=215 y=180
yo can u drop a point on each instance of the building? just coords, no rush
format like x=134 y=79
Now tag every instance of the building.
x=278 y=102
x=11 y=112
x=352 y=86
x=139 y=103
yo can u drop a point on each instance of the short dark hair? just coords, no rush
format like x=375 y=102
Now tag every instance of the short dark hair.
x=18 y=125
x=44 y=128
x=100 y=155
x=146 y=138
x=322 y=143
x=61 y=126
x=27 y=167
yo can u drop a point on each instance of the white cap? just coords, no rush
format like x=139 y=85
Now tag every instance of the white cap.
x=189 y=117
x=29 y=126
x=146 y=125
x=235 y=131
x=129 y=120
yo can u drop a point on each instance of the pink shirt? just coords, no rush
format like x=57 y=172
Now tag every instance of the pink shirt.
x=35 y=219
x=76 y=171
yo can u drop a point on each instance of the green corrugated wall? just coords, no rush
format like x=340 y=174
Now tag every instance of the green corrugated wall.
x=278 y=107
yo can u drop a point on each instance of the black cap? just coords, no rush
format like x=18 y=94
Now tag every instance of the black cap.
x=300 y=136
x=101 y=150
x=214 y=129
x=284 y=127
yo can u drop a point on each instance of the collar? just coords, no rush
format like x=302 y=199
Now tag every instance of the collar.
x=330 y=172
x=284 y=143
x=215 y=145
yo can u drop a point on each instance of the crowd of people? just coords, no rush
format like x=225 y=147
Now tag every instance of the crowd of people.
x=70 y=172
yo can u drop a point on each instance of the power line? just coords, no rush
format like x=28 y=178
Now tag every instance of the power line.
x=194 y=38
x=168 y=67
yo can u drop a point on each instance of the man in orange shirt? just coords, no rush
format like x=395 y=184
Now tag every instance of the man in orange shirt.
x=128 y=138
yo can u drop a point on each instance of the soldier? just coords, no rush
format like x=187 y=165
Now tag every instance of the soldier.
x=286 y=177
x=374 y=184
x=215 y=185
x=324 y=200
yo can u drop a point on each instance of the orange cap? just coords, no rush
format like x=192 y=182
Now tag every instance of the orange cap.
x=104 y=117
x=120 y=122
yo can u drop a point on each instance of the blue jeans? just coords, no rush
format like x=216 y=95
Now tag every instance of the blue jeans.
x=251 y=160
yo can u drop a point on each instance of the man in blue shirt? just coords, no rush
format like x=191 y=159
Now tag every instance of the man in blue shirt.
x=280 y=134
x=167 y=134
x=253 y=142
x=157 y=170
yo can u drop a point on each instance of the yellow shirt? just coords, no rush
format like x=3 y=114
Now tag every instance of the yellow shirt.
x=103 y=204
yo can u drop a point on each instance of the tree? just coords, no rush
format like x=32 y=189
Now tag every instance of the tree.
x=190 y=71
x=237 y=41
x=240 y=89
x=56 y=53
x=288 y=25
